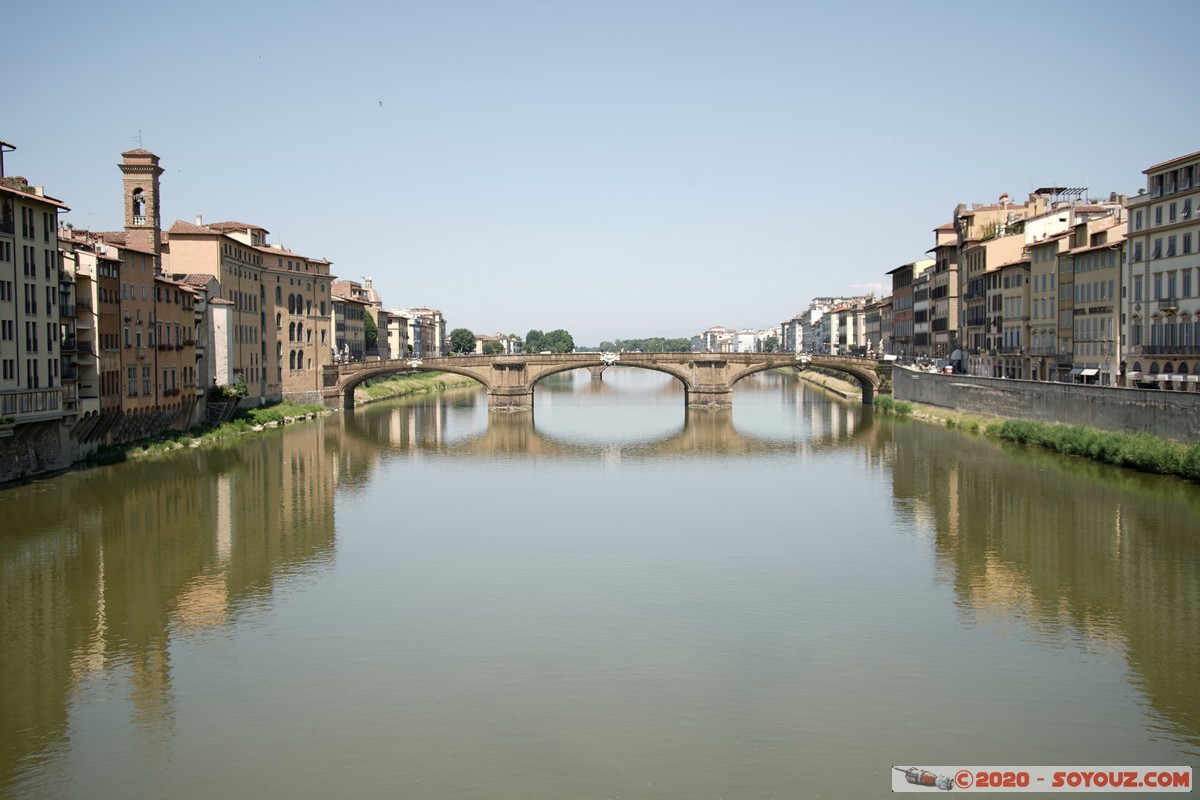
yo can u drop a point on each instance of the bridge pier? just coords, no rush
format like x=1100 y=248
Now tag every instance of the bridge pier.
x=597 y=372
x=710 y=397
x=510 y=399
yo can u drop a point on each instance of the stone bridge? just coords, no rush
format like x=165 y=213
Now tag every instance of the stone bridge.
x=707 y=378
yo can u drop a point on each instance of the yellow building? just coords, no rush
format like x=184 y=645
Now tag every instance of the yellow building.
x=1013 y=290
x=30 y=366
x=1094 y=263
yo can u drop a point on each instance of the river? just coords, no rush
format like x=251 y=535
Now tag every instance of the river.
x=617 y=598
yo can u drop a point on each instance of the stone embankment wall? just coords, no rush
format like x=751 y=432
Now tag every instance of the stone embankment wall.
x=1170 y=415
x=33 y=449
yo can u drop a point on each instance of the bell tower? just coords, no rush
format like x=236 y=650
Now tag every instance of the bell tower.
x=143 y=225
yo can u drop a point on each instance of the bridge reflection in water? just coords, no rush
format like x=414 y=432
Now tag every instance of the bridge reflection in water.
x=461 y=426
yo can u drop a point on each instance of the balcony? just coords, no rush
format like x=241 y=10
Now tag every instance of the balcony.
x=141 y=352
x=68 y=344
x=1167 y=350
x=1168 y=304
x=66 y=310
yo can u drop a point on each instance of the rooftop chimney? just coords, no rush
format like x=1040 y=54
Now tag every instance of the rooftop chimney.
x=200 y=220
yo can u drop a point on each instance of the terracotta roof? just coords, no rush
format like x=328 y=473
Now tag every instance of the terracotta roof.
x=1148 y=170
x=220 y=301
x=1050 y=239
x=137 y=151
x=8 y=186
x=180 y=226
x=236 y=226
x=1016 y=263
x=949 y=226
x=195 y=279
x=1091 y=247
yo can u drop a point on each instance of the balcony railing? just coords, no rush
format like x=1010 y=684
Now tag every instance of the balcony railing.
x=1167 y=302
x=1168 y=349
x=68 y=344
x=66 y=310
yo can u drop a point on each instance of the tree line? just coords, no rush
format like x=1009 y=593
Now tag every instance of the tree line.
x=655 y=344
x=462 y=341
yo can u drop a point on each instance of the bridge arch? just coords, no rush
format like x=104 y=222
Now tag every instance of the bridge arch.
x=352 y=382
x=864 y=374
x=673 y=370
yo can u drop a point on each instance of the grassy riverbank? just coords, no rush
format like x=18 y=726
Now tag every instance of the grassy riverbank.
x=245 y=421
x=1136 y=451
x=416 y=383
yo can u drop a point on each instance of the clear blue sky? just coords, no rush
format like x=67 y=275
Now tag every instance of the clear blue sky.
x=615 y=168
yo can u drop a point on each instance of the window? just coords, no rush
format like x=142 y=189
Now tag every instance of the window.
x=132 y=382
x=1137 y=220
x=145 y=380
x=1170 y=246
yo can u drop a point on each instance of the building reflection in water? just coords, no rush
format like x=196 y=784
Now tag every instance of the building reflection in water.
x=1077 y=552
x=103 y=571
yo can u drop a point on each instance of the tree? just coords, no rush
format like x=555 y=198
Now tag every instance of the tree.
x=462 y=341
x=533 y=341
x=770 y=344
x=558 y=341
x=492 y=348
x=370 y=332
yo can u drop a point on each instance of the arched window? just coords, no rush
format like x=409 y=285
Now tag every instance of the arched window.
x=308 y=336
x=291 y=359
x=1154 y=368
x=278 y=320
x=139 y=205
x=308 y=307
x=291 y=304
x=279 y=295
x=299 y=331
x=291 y=331
x=1183 y=368
x=1168 y=368
x=1137 y=366
x=279 y=350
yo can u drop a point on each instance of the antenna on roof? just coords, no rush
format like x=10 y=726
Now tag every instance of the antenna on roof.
x=138 y=138
x=5 y=147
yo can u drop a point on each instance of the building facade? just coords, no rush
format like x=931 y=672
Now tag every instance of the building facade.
x=1162 y=332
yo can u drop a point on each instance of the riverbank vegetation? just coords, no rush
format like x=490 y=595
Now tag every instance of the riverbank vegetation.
x=414 y=383
x=244 y=421
x=889 y=405
x=1137 y=451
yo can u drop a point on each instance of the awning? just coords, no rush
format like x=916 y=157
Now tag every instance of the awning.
x=1178 y=377
x=1087 y=373
x=1193 y=378
x=1076 y=371
x=1132 y=376
x=1162 y=377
